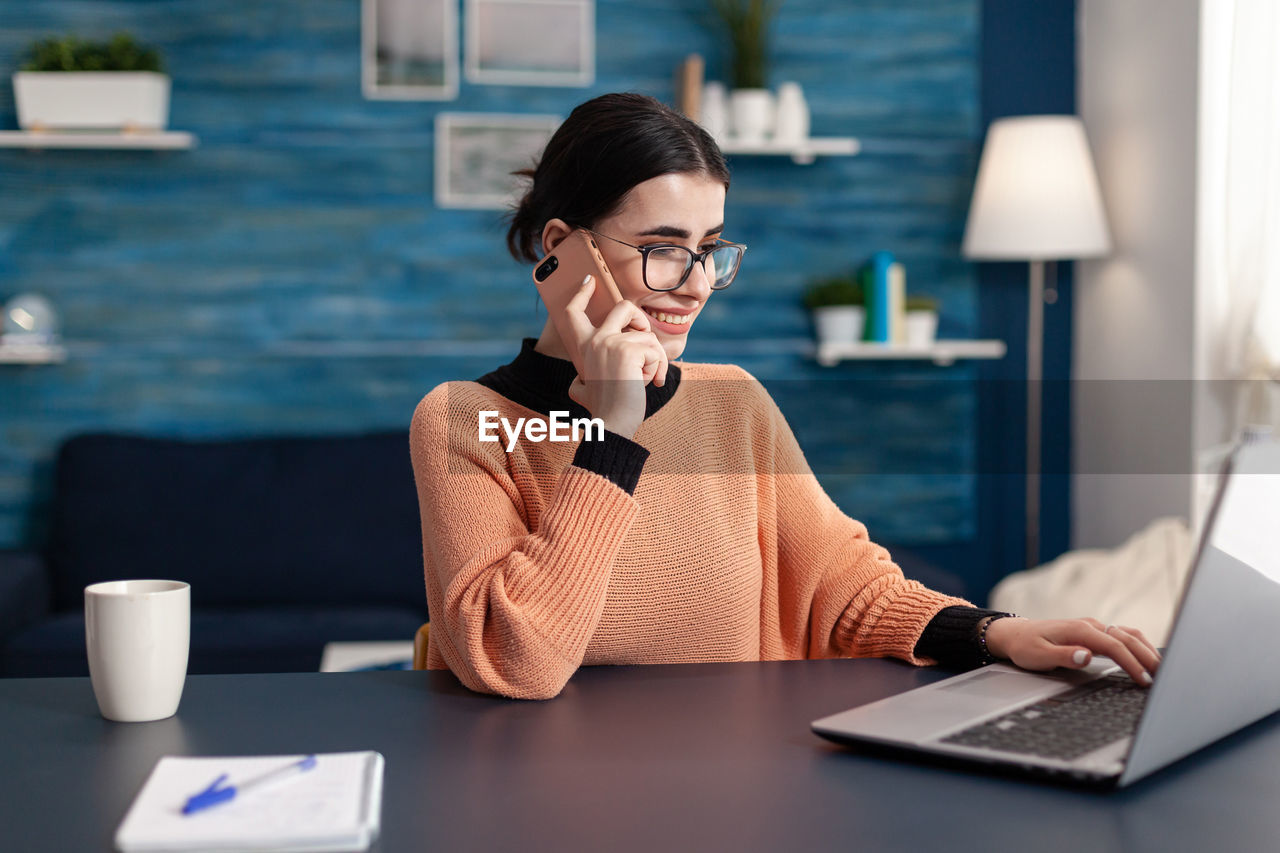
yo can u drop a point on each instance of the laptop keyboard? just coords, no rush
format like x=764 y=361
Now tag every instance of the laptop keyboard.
x=1066 y=725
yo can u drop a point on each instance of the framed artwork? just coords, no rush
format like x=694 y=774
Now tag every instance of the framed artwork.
x=409 y=49
x=476 y=154
x=531 y=42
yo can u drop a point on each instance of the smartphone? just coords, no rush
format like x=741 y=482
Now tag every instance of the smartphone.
x=559 y=275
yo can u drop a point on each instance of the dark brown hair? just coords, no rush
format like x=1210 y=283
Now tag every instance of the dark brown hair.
x=606 y=147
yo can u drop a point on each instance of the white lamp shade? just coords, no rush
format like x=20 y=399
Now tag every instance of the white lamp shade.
x=1037 y=196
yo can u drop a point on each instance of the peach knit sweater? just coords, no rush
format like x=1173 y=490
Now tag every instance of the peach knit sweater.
x=729 y=549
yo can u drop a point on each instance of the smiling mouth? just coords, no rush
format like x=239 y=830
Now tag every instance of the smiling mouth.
x=670 y=319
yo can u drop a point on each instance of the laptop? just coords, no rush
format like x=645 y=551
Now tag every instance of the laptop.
x=1095 y=726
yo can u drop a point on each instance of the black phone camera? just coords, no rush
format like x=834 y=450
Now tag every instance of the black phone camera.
x=546 y=268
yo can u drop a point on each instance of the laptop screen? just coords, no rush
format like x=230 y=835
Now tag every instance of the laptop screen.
x=1246 y=525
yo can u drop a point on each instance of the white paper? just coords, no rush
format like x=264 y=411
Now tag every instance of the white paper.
x=334 y=806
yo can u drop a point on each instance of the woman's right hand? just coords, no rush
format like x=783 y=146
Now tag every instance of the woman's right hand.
x=619 y=358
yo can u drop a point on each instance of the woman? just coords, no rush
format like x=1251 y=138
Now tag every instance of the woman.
x=693 y=529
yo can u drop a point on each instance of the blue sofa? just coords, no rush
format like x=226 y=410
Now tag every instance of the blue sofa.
x=288 y=543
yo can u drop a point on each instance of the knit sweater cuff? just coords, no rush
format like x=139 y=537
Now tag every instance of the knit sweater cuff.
x=951 y=637
x=616 y=458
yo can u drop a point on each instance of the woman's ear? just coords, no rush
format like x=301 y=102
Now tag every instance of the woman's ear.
x=553 y=232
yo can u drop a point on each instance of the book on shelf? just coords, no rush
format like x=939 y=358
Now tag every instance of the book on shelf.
x=884 y=286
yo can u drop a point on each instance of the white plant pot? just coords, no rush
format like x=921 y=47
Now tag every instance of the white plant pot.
x=752 y=114
x=89 y=100
x=922 y=328
x=839 y=324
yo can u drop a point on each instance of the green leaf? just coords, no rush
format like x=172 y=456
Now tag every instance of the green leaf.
x=747 y=23
x=833 y=290
x=69 y=53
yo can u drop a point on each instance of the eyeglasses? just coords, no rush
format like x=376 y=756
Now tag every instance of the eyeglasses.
x=666 y=267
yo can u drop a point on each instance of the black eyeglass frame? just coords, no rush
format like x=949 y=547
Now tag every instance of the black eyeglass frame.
x=694 y=258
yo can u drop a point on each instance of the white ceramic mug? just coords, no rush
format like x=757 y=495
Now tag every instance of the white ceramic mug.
x=137 y=634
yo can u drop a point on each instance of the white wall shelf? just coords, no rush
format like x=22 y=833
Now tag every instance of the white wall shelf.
x=802 y=153
x=11 y=353
x=156 y=140
x=941 y=352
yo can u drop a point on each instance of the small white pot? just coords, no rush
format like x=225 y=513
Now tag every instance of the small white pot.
x=839 y=324
x=87 y=100
x=922 y=328
x=715 y=110
x=792 y=116
x=752 y=114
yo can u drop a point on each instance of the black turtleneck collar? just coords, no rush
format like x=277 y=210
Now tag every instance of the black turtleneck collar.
x=541 y=382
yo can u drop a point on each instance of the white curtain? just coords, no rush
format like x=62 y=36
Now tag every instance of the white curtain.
x=1240 y=198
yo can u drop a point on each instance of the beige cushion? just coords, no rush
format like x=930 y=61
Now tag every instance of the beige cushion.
x=1137 y=584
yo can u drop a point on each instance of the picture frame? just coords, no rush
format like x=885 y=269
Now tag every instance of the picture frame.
x=409 y=49
x=476 y=154
x=530 y=42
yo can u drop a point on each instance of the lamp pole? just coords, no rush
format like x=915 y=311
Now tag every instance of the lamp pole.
x=1035 y=368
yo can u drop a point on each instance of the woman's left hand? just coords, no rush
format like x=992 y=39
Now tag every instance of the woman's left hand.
x=1042 y=644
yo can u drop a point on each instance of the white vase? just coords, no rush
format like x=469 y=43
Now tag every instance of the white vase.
x=715 y=110
x=29 y=318
x=839 y=324
x=752 y=115
x=922 y=328
x=87 y=100
x=791 y=120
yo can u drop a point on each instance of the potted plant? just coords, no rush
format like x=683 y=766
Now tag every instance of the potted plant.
x=751 y=102
x=72 y=84
x=837 y=305
x=921 y=321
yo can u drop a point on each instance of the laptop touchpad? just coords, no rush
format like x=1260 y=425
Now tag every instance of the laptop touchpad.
x=992 y=685
x=923 y=713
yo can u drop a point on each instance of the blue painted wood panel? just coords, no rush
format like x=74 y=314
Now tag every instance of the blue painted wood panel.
x=292 y=274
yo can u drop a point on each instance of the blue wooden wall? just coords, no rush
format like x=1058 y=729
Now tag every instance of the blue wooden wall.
x=291 y=274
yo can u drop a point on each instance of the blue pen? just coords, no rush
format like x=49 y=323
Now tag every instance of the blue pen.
x=218 y=793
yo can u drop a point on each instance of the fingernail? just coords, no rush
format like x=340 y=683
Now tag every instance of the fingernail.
x=1081 y=657
x=1146 y=678
x=586 y=281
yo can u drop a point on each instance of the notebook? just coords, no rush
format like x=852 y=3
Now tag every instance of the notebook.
x=335 y=806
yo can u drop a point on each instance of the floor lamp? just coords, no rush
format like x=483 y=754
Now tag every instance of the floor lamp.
x=1036 y=199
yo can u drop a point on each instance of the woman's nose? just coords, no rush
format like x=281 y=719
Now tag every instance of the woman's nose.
x=698 y=283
